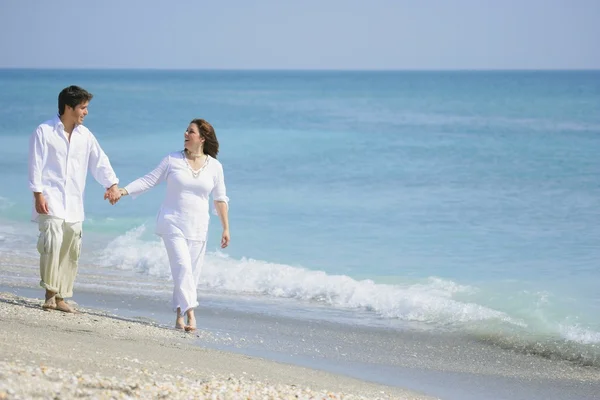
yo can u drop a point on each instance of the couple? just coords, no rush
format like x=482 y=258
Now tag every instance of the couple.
x=62 y=150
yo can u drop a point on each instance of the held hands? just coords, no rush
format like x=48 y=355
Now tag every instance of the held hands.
x=225 y=238
x=113 y=194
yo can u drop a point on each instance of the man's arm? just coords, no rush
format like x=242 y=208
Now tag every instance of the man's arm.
x=103 y=172
x=36 y=164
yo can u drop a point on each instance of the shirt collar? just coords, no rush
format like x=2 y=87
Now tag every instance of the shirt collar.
x=58 y=125
x=57 y=122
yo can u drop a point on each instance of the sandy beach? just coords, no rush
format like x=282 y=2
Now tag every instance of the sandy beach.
x=123 y=346
x=49 y=354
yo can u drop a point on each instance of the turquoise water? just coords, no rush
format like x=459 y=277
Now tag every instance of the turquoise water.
x=463 y=200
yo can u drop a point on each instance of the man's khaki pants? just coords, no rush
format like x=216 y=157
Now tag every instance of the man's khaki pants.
x=59 y=246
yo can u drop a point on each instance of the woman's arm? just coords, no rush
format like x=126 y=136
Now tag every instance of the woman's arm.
x=219 y=194
x=147 y=181
x=222 y=210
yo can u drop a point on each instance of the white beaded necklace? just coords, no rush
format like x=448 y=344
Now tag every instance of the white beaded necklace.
x=195 y=174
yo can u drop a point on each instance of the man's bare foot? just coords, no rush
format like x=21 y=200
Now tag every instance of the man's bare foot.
x=50 y=303
x=61 y=305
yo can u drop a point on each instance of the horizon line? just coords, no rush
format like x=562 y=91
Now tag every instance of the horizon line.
x=303 y=69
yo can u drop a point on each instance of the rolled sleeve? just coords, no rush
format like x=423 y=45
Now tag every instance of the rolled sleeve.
x=219 y=192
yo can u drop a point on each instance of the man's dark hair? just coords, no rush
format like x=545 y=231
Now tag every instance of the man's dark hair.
x=72 y=96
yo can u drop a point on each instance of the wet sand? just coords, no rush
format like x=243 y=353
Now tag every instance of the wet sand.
x=45 y=354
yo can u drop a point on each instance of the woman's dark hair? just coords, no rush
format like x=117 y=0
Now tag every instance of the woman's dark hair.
x=72 y=96
x=211 y=144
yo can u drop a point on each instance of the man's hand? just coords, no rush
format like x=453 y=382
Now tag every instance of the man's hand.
x=113 y=194
x=41 y=205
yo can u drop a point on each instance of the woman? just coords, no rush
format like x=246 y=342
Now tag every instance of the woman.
x=191 y=175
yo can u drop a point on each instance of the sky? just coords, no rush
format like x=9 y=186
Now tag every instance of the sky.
x=301 y=34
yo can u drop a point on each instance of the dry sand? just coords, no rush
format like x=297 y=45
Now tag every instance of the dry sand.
x=49 y=354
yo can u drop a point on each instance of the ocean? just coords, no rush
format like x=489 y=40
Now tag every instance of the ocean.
x=461 y=203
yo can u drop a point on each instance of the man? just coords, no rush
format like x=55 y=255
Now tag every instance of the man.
x=61 y=151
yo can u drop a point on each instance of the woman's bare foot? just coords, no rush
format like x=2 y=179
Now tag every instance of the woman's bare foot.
x=191 y=321
x=179 y=323
x=61 y=305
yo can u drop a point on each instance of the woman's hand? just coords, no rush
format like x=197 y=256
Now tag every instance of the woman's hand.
x=225 y=238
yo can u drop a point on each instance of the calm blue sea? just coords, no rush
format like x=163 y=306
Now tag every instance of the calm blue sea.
x=455 y=200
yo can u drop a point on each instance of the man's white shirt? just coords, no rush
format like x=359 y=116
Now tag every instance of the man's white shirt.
x=58 y=168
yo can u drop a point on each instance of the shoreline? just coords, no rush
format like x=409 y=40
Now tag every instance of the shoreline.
x=96 y=354
x=245 y=347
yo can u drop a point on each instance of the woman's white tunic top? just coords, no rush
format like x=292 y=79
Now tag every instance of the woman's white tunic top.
x=185 y=209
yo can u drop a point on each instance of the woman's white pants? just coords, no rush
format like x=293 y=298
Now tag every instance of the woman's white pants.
x=186 y=258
